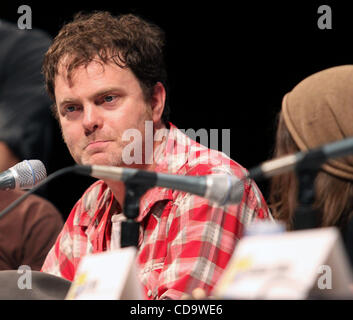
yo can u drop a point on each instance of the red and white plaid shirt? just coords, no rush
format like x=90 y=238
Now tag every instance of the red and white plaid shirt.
x=185 y=240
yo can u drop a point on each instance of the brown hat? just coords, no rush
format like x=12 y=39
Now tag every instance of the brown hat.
x=319 y=110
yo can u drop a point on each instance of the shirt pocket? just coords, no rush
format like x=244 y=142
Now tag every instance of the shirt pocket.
x=151 y=279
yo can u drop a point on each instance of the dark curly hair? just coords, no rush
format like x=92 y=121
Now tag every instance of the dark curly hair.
x=128 y=40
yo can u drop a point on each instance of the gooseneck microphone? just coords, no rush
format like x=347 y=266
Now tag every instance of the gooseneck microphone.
x=23 y=175
x=221 y=188
x=311 y=159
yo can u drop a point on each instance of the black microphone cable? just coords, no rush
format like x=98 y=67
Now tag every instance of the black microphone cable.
x=52 y=176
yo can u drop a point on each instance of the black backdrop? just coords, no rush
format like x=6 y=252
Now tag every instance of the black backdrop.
x=229 y=65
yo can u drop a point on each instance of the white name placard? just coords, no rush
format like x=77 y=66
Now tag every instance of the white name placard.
x=110 y=275
x=288 y=265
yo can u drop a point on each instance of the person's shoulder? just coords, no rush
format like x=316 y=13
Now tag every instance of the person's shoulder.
x=195 y=158
x=15 y=40
x=35 y=206
x=37 y=199
x=204 y=161
x=7 y=27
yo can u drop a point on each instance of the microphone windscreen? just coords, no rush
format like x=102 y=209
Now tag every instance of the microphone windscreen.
x=30 y=173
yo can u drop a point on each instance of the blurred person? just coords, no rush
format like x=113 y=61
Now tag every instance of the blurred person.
x=319 y=110
x=29 y=230
x=25 y=118
x=106 y=76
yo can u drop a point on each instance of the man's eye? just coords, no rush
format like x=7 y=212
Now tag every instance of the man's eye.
x=109 y=98
x=70 y=109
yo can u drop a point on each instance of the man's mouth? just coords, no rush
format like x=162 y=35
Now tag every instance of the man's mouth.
x=97 y=144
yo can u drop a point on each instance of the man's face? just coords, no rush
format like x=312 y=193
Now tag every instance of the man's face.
x=96 y=107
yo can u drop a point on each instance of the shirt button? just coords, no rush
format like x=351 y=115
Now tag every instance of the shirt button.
x=149 y=293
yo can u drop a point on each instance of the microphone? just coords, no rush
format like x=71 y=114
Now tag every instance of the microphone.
x=222 y=189
x=29 y=174
x=23 y=175
x=311 y=159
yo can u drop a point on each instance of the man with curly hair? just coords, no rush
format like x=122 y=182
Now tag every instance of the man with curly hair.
x=106 y=76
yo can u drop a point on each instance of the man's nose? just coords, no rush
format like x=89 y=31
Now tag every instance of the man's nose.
x=92 y=119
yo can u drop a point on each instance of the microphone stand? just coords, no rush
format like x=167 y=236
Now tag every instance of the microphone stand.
x=305 y=217
x=136 y=186
x=130 y=228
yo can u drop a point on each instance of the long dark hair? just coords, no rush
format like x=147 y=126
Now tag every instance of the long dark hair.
x=333 y=196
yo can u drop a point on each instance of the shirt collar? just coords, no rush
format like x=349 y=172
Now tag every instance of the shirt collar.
x=171 y=157
x=93 y=203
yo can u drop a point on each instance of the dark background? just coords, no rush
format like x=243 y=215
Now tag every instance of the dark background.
x=229 y=65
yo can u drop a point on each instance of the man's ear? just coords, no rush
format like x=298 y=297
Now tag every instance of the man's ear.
x=158 y=102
